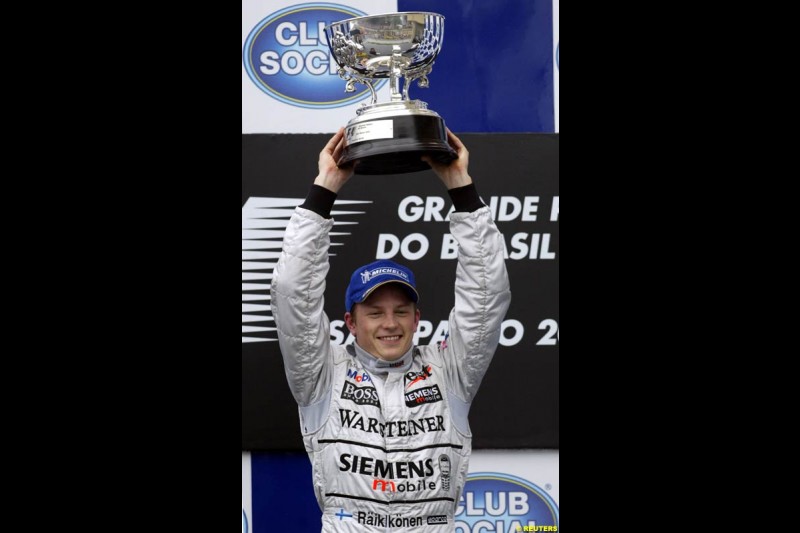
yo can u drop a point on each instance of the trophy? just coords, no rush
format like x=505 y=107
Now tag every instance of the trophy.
x=390 y=138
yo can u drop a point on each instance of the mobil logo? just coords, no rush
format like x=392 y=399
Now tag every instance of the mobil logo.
x=286 y=55
x=362 y=377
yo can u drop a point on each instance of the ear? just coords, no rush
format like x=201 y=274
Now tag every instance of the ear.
x=350 y=322
x=416 y=319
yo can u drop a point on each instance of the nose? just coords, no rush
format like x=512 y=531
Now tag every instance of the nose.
x=390 y=321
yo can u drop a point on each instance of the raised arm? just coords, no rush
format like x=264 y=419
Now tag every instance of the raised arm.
x=298 y=283
x=482 y=291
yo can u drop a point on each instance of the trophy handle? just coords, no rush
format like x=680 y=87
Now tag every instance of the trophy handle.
x=352 y=79
x=420 y=74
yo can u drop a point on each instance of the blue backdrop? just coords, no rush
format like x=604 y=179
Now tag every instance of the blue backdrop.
x=495 y=70
x=283 y=495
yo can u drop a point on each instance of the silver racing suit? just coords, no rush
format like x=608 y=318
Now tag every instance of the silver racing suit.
x=389 y=443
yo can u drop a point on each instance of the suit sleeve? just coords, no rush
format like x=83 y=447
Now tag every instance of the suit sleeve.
x=482 y=298
x=297 y=300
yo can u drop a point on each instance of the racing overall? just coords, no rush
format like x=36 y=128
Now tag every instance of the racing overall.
x=389 y=442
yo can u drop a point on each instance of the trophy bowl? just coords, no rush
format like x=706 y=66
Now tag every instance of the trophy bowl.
x=391 y=137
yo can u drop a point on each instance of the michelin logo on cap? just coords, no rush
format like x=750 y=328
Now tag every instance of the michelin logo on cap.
x=367 y=275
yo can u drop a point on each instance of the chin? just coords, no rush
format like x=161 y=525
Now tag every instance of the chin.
x=395 y=355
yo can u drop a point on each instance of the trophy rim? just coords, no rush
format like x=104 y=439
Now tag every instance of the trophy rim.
x=363 y=17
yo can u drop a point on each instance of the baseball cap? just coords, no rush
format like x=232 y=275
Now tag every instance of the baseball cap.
x=369 y=277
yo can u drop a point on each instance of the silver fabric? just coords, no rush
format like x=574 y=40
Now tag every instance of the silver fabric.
x=389 y=449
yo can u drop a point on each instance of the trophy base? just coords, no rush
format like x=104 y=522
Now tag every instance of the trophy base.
x=413 y=136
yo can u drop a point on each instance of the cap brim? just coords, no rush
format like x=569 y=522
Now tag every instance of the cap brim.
x=370 y=291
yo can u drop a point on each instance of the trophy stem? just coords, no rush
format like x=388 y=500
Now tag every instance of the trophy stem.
x=395 y=74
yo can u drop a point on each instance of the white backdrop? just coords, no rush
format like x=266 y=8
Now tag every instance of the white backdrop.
x=247 y=499
x=537 y=466
x=262 y=113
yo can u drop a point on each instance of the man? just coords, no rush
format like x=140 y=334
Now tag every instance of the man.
x=384 y=422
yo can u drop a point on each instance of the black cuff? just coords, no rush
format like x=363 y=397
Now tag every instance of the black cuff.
x=320 y=200
x=466 y=199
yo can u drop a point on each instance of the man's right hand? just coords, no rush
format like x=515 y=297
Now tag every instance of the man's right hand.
x=331 y=176
x=455 y=174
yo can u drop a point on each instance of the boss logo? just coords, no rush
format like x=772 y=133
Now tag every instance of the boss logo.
x=360 y=395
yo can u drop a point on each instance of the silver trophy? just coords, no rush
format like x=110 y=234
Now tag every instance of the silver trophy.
x=390 y=138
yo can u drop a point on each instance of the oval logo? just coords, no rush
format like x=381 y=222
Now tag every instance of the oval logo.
x=501 y=502
x=286 y=55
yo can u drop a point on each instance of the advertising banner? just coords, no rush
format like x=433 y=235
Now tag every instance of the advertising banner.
x=507 y=491
x=494 y=73
x=405 y=218
x=289 y=80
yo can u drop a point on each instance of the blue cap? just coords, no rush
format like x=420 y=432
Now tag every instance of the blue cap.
x=369 y=277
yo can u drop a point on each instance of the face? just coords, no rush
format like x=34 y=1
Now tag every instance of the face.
x=384 y=324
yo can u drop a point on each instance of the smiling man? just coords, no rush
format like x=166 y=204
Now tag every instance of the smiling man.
x=381 y=309
x=385 y=422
